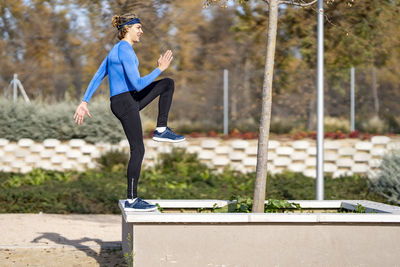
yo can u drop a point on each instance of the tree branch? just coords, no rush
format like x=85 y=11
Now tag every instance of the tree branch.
x=297 y=3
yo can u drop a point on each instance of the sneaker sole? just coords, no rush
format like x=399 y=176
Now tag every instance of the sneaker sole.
x=132 y=209
x=159 y=139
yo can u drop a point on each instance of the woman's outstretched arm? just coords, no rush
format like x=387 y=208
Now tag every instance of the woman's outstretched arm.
x=96 y=80
x=80 y=112
x=82 y=109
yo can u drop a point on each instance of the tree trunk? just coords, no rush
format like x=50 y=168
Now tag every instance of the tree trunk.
x=246 y=93
x=262 y=154
x=375 y=92
x=233 y=93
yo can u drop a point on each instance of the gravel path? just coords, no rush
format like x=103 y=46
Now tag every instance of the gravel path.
x=60 y=240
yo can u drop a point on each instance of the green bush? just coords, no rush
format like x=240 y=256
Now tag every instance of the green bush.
x=393 y=123
x=113 y=160
x=181 y=175
x=281 y=125
x=374 y=125
x=333 y=124
x=39 y=121
x=387 y=181
x=88 y=192
x=177 y=175
x=242 y=204
x=245 y=125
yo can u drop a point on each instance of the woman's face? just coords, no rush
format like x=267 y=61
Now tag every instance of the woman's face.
x=135 y=32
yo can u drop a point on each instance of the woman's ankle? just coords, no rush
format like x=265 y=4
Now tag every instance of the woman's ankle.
x=161 y=129
x=131 y=200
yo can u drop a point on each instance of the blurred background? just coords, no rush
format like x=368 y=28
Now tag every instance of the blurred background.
x=56 y=46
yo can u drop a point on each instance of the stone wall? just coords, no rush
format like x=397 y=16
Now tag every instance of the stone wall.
x=345 y=156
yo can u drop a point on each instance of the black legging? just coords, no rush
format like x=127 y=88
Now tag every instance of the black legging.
x=126 y=107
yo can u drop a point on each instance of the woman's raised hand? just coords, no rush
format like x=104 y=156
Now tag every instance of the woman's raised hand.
x=165 y=60
x=80 y=112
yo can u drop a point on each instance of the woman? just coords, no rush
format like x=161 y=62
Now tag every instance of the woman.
x=129 y=93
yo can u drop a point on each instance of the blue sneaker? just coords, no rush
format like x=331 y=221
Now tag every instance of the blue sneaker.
x=167 y=136
x=139 y=205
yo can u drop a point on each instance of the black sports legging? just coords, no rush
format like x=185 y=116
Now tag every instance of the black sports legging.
x=126 y=107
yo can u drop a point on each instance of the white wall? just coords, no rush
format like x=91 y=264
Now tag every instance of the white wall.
x=341 y=156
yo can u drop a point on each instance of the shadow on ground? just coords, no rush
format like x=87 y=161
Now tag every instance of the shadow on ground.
x=110 y=253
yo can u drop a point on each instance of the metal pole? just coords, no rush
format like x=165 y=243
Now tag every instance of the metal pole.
x=14 y=81
x=320 y=104
x=352 y=102
x=23 y=91
x=225 y=101
x=8 y=89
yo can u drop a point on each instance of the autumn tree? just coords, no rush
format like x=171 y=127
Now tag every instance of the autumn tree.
x=265 y=118
x=39 y=44
x=357 y=33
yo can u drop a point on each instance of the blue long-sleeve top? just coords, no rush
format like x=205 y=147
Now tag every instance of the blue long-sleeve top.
x=122 y=66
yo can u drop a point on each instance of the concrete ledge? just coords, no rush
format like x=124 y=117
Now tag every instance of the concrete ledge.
x=150 y=217
x=187 y=203
x=376 y=213
x=243 y=239
x=371 y=206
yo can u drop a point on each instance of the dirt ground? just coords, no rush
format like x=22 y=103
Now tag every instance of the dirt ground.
x=60 y=240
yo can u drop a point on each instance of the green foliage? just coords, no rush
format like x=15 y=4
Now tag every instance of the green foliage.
x=38 y=122
x=159 y=208
x=35 y=177
x=374 y=125
x=240 y=204
x=243 y=204
x=245 y=125
x=182 y=175
x=359 y=209
x=387 y=181
x=281 y=125
x=290 y=185
x=113 y=160
x=280 y=205
x=393 y=123
x=57 y=192
x=129 y=255
x=177 y=175
x=332 y=124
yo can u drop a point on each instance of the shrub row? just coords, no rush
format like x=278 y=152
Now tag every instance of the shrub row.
x=177 y=175
x=38 y=122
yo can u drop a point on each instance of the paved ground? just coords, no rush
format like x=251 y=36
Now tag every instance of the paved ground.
x=60 y=240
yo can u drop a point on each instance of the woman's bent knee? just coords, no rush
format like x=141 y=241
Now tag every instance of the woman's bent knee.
x=138 y=150
x=170 y=82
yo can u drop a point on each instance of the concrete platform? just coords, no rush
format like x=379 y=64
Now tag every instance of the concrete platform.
x=263 y=239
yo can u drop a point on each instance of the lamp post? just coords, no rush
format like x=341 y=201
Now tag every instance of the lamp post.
x=320 y=103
